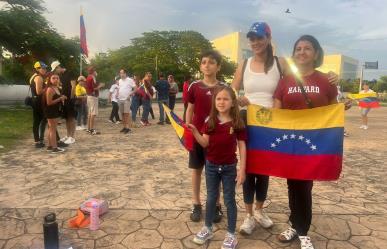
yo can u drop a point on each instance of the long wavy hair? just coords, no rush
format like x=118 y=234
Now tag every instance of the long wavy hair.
x=237 y=122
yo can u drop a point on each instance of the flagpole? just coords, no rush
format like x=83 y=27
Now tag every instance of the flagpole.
x=80 y=64
x=80 y=54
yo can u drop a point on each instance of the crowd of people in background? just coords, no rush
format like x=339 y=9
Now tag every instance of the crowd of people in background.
x=57 y=94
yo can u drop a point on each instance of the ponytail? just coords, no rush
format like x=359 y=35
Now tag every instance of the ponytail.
x=270 y=58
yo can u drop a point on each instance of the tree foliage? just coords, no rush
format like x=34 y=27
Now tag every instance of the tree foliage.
x=381 y=84
x=28 y=37
x=171 y=52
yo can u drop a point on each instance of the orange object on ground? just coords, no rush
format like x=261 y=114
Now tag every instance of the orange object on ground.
x=79 y=221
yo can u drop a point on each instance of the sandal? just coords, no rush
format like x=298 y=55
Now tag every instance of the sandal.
x=287 y=235
x=306 y=243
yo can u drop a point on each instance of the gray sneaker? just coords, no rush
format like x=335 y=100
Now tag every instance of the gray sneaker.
x=230 y=241
x=204 y=235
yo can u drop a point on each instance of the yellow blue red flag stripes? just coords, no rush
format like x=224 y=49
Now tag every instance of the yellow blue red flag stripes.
x=366 y=100
x=296 y=144
x=184 y=134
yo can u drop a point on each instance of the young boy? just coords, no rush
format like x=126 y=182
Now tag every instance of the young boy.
x=199 y=105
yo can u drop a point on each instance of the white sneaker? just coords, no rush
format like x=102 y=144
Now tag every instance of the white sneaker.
x=262 y=218
x=230 y=241
x=365 y=127
x=118 y=122
x=248 y=225
x=64 y=138
x=78 y=128
x=69 y=140
x=306 y=243
x=202 y=236
x=361 y=126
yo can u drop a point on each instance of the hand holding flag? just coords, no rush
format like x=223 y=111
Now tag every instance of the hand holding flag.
x=183 y=132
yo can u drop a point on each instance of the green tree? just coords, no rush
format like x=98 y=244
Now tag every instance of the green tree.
x=174 y=52
x=28 y=37
x=381 y=84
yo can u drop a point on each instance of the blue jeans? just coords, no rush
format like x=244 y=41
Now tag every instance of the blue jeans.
x=81 y=114
x=227 y=175
x=134 y=107
x=145 y=109
x=161 y=108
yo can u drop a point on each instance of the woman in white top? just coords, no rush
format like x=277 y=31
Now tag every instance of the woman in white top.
x=258 y=79
x=365 y=110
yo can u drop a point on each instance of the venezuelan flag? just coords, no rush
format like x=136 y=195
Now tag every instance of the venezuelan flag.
x=84 y=49
x=366 y=100
x=185 y=135
x=296 y=144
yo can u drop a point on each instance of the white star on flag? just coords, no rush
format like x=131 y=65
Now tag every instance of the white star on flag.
x=307 y=141
x=301 y=137
x=278 y=140
x=313 y=147
x=273 y=145
x=284 y=137
x=293 y=136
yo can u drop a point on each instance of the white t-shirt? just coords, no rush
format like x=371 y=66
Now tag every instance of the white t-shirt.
x=259 y=87
x=113 y=90
x=125 y=88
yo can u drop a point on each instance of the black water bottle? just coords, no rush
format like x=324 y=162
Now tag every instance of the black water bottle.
x=50 y=231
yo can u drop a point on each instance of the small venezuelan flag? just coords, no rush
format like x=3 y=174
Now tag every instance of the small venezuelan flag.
x=183 y=132
x=296 y=144
x=366 y=100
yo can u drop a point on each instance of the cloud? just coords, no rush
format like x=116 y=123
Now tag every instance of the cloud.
x=353 y=27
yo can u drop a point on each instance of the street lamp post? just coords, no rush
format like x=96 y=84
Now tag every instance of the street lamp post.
x=367 y=65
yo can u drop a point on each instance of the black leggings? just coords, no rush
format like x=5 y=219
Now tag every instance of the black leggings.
x=39 y=121
x=255 y=184
x=114 y=113
x=300 y=204
x=172 y=101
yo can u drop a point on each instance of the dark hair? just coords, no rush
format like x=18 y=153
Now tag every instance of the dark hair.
x=270 y=58
x=122 y=69
x=237 y=122
x=213 y=54
x=187 y=77
x=161 y=75
x=316 y=46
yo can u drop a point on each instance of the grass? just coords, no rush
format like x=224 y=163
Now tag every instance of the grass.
x=15 y=124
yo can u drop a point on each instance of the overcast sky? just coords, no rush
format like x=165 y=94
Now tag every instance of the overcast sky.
x=351 y=27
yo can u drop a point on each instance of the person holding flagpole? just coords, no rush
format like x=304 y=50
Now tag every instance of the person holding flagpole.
x=307 y=88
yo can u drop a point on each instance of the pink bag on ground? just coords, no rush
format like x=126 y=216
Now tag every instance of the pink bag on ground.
x=103 y=206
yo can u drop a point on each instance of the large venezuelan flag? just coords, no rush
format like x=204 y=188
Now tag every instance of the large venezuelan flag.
x=296 y=144
x=366 y=100
x=185 y=135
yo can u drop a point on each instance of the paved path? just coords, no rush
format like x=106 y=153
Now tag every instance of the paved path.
x=144 y=177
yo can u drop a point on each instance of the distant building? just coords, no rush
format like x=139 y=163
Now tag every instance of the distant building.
x=346 y=67
x=234 y=46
